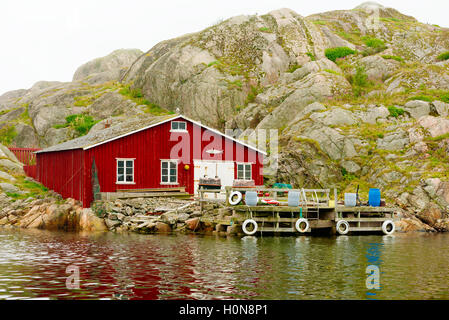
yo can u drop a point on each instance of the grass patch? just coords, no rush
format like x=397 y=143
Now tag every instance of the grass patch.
x=444 y=56
x=293 y=67
x=395 y=112
x=439 y=138
x=421 y=97
x=374 y=45
x=136 y=95
x=388 y=57
x=336 y=53
x=311 y=56
x=81 y=123
x=83 y=101
x=445 y=97
x=265 y=29
x=320 y=22
x=347 y=176
x=7 y=135
x=252 y=94
x=333 y=72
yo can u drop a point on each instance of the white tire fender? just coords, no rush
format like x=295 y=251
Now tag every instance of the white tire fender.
x=388 y=227
x=246 y=223
x=342 y=227
x=238 y=197
x=300 y=222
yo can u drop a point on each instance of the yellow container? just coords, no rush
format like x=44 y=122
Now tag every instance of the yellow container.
x=331 y=203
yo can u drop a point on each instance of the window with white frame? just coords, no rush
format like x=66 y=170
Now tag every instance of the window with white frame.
x=125 y=171
x=244 y=171
x=178 y=126
x=169 y=171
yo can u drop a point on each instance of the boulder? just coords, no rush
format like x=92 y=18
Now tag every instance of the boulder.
x=162 y=227
x=115 y=61
x=111 y=223
x=442 y=108
x=430 y=214
x=7 y=187
x=335 y=117
x=6 y=176
x=412 y=225
x=436 y=126
x=91 y=223
x=378 y=68
x=442 y=225
x=417 y=108
x=350 y=166
x=193 y=224
x=393 y=141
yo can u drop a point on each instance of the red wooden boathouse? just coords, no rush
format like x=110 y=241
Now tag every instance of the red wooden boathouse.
x=161 y=152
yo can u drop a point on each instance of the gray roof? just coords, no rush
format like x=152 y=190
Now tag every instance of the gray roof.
x=98 y=136
x=130 y=126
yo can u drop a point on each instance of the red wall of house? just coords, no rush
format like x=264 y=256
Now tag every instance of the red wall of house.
x=148 y=147
x=62 y=172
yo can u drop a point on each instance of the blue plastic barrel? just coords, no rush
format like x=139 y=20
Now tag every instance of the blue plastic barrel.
x=374 y=197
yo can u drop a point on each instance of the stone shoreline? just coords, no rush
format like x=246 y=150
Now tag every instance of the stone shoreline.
x=156 y=215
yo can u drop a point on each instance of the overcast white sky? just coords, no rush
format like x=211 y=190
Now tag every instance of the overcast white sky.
x=49 y=39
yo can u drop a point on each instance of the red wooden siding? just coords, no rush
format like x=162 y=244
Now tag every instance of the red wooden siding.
x=25 y=155
x=31 y=171
x=62 y=172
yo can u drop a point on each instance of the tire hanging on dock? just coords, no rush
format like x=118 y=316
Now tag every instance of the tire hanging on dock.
x=302 y=225
x=235 y=198
x=388 y=227
x=245 y=224
x=342 y=227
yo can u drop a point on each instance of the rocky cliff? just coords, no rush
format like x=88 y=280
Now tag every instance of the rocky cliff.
x=360 y=97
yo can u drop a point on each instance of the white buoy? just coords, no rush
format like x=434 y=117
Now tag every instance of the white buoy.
x=302 y=225
x=388 y=227
x=342 y=227
x=246 y=223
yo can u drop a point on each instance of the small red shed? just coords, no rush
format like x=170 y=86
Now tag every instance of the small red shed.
x=161 y=152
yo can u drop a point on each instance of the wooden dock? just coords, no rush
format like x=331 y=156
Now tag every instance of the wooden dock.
x=315 y=212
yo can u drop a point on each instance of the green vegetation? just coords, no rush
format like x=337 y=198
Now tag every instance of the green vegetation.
x=265 y=29
x=31 y=188
x=374 y=45
x=311 y=56
x=390 y=20
x=293 y=67
x=360 y=81
x=347 y=176
x=444 y=56
x=320 y=22
x=395 y=112
x=333 y=72
x=252 y=94
x=421 y=97
x=336 y=53
x=7 y=135
x=81 y=123
x=393 y=58
x=83 y=101
x=445 y=97
x=136 y=95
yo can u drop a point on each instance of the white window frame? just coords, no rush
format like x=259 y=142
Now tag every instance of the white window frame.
x=124 y=171
x=244 y=164
x=176 y=167
x=178 y=130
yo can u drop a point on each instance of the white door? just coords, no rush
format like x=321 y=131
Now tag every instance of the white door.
x=222 y=169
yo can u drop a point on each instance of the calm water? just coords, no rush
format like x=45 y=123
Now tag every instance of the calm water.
x=33 y=265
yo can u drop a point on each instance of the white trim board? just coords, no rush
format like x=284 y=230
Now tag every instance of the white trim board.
x=171 y=119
